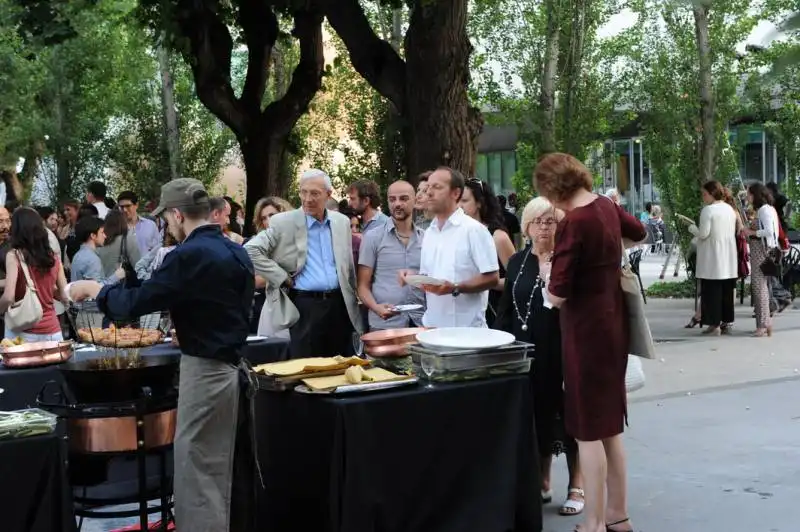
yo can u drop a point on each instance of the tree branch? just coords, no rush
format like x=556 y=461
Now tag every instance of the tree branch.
x=371 y=56
x=281 y=115
x=209 y=54
x=260 y=27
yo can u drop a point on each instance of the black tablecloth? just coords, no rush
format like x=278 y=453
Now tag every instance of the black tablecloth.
x=456 y=457
x=33 y=490
x=22 y=385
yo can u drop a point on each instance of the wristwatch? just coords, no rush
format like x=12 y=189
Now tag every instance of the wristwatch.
x=456 y=292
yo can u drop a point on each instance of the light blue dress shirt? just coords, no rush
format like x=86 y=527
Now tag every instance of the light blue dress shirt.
x=319 y=272
x=147 y=235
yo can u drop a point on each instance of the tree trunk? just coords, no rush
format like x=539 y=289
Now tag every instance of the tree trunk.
x=707 y=150
x=443 y=127
x=169 y=111
x=548 y=91
x=572 y=73
x=14 y=190
x=262 y=156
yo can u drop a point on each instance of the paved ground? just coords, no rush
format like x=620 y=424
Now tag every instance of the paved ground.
x=713 y=438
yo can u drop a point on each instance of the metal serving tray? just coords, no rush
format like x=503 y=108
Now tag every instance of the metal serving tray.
x=359 y=388
x=516 y=346
x=470 y=359
x=484 y=372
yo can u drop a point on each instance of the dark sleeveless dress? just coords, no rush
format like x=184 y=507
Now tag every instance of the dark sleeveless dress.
x=544 y=331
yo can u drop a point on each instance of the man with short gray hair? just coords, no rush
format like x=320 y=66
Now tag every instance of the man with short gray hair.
x=306 y=257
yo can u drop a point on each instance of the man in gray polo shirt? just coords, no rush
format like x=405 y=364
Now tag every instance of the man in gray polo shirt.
x=396 y=245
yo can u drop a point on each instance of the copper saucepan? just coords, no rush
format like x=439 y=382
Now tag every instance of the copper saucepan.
x=391 y=337
x=391 y=342
x=35 y=354
x=386 y=351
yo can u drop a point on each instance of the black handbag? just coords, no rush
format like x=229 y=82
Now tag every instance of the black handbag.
x=131 y=279
x=771 y=267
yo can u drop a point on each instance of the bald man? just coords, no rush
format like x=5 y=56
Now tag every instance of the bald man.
x=396 y=245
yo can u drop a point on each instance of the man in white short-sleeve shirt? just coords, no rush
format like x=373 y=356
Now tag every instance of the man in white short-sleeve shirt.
x=459 y=251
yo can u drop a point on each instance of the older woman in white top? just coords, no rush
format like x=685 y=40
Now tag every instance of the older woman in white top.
x=763 y=237
x=716 y=259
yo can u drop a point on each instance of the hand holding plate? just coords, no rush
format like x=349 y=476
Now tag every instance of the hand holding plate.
x=446 y=288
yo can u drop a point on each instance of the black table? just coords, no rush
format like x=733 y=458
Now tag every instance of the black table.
x=456 y=457
x=21 y=386
x=33 y=492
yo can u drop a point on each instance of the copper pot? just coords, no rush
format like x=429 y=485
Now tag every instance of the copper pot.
x=386 y=351
x=115 y=434
x=35 y=354
x=392 y=337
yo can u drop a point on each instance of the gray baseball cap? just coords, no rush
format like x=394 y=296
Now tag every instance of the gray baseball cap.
x=182 y=192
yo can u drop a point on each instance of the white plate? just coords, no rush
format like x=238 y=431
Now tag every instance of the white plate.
x=464 y=338
x=406 y=308
x=419 y=280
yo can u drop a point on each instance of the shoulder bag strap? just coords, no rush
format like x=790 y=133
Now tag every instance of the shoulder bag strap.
x=123 y=250
x=25 y=270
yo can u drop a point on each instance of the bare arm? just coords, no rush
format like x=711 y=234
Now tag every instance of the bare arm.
x=505 y=249
x=9 y=290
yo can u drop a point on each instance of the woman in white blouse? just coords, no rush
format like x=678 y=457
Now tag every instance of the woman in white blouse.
x=763 y=237
x=716 y=259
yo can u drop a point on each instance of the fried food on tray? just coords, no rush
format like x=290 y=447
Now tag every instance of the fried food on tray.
x=125 y=337
x=333 y=382
x=300 y=366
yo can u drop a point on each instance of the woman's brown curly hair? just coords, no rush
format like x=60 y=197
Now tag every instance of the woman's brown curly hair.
x=558 y=176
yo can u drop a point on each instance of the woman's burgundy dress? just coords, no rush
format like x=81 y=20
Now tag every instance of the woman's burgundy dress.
x=586 y=272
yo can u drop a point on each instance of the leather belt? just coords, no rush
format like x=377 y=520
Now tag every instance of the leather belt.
x=325 y=294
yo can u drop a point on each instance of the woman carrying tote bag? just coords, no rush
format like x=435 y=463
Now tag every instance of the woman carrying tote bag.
x=34 y=281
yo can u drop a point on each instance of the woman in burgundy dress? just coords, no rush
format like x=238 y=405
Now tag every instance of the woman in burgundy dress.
x=585 y=284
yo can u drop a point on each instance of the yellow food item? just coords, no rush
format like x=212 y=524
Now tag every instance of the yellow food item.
x=331 y=383
x=354 y=374
x=299 y=366
x=7 y=342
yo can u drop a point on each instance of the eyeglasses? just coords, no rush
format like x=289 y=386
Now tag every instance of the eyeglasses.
x=547 y=222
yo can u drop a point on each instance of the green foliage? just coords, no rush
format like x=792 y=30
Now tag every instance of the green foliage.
x=672 y=290
x=351 y=129
x=137 y=149
x=512 y=35
x=660 y=81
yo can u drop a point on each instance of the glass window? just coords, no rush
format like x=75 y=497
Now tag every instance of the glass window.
x=509 y=169
x=495 y=178
x=482 y=167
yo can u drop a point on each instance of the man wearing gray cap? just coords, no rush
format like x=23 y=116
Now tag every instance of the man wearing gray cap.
x=207 y=285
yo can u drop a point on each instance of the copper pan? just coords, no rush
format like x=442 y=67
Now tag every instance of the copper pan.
x=35 y=354
x=386 y=351
x=392 y=337
x=115 y=434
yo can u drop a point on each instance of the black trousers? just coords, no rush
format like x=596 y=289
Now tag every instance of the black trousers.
x=716 y=301
x=324 y=328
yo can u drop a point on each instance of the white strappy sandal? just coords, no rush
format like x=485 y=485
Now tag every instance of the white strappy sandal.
x=572 y=506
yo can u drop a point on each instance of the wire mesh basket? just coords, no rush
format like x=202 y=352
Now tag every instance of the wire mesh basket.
x=92 y=327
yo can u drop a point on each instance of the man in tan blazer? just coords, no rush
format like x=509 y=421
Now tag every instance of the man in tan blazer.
x=306 y=257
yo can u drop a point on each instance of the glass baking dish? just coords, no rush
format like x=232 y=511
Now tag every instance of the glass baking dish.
x=468 y=374
x=26 y=423
x=469 y=361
